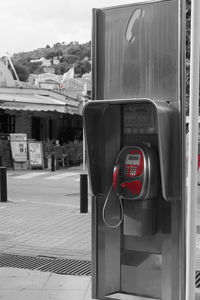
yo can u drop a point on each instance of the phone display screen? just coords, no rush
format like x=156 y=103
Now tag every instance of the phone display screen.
x=133 y=163
x=133 y=159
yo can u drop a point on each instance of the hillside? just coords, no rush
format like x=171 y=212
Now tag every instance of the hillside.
x=68 y=55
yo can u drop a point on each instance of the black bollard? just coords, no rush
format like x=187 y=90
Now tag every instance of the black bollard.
x=53 y=165
x=3 y=184
x=83 y=193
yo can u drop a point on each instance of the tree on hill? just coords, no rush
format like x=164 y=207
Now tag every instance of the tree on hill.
x=81 y=67
x=62 y=68
x=35 y=68
x=68 y=54
x=70 y=59
x=52 y=54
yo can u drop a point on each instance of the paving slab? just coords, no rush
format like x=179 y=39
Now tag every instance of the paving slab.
x=44 y=229
x=18 y=284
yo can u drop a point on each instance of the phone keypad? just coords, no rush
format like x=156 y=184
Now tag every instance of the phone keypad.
x=130 y=170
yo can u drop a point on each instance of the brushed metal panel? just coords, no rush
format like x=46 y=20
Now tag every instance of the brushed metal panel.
x=103 y=142
x=107 y=249
x=169 y=150
x=151 y=244
x=167 y=274
x=103 y=132
x=145 y=67
x=94 y=142
x=140 y=258
x=140 y=217
x=94 y=231
x=142 y=273
x=142 y=280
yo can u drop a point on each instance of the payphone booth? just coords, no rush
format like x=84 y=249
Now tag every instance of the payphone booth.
x=134 y=133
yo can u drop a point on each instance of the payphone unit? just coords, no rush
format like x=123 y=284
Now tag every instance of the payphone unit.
x=131 y=150
x=135 y=138
x=135 y=177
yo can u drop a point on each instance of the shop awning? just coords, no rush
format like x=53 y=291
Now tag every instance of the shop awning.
x=34 y=103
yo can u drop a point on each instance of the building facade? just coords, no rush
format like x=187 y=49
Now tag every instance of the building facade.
x=43 y=115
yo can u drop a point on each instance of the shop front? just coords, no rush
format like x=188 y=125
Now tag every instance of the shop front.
x=43 y=116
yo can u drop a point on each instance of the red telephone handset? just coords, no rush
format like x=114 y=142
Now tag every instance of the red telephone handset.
x=115 y=177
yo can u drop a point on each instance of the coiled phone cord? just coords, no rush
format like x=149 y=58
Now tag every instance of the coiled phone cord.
x=104 y=210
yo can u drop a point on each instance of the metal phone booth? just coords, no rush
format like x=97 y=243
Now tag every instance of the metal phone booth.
x=135 y=135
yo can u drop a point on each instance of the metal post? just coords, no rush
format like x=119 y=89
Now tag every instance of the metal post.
x=3 y=184
x=53 y=160
x=83 y=193
x=83 y=99
x=1 y=160
x=193 y=151
x=83 y=150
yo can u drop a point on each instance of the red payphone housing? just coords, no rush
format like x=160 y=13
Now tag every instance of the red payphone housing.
x=136 y=182
x=136 y=174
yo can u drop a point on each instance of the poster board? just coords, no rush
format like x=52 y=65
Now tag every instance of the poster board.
x=18 y=143
x=35 y=152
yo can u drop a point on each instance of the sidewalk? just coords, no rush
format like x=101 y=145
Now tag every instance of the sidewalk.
x=35 y=229
x=19 y=284
x=47 y=229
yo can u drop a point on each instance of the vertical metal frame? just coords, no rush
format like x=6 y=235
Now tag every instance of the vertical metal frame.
x=94 y=54
x=182 y=130
x=178 y=208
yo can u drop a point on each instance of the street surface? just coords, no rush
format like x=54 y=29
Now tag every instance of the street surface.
x=44 y=186
x=42 y=215
x=42 y=219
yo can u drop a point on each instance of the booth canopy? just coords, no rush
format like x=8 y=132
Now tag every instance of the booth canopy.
x=34 y=102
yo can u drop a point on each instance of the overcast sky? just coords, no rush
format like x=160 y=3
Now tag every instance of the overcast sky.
x=31 y=24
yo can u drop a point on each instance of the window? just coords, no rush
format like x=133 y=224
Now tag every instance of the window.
x=7 y=124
